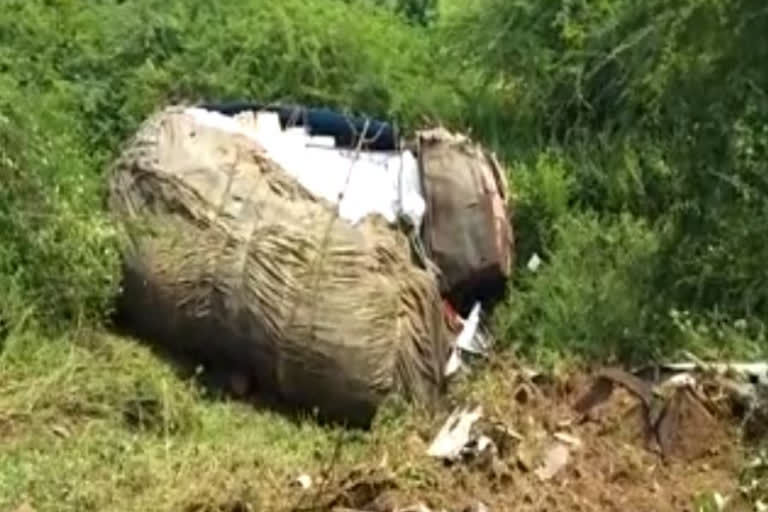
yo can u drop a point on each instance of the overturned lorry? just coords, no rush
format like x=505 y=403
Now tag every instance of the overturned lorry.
x=306 y=251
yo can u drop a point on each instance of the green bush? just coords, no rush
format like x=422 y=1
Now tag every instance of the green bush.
x=656 y=109
x=634 y=132
x=77 y=77
x=593 y=295
x=541 y=196
x=58 y=254
x=122 y=59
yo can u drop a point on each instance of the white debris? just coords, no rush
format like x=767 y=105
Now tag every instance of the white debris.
x=568 y=439
x=455 y=434
x=720 y=501
x=757 y=462
x=471 y=340
x=511 y=433
x=534 y=263
x=484 y=443
x=304 y=481
x=454 y=363
x=555 y=460
x=361 y=183
x=530 y=374
x=681 y=380
x=753 y=371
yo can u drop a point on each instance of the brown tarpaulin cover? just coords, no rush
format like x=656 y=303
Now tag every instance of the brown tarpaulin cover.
x=467 y=230
x=232 y=261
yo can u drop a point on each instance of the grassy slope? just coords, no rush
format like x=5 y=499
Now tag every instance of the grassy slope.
x=95 y=422
x=99 y=423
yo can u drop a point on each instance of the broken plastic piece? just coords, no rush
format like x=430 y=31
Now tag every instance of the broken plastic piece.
x=568 y=439
x=455 y=434
x=555 y=460
x=534 y=263
x=471 y=339
x=454 y=363
x=304 y=481
x=754 y=371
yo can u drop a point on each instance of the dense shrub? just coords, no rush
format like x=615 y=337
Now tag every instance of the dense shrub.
x=657 y=110
x=593 y=296
x=77 y=77
x=57 y=253
x=634 y=133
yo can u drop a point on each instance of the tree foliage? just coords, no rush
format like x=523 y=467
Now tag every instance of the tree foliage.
x=76 y=77
x=657 y=110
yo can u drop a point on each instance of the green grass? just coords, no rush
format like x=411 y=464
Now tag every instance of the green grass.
x=96 y=422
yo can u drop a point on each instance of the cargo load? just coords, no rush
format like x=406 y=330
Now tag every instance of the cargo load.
x=229 y=259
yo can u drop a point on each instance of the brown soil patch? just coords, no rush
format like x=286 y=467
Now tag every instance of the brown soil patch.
x=617 y=467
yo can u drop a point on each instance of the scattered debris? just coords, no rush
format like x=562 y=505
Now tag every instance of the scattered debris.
x=539 y=456
x=534 y=263
x=455 y=434
x=720 y=501
x=61 y=431
x=471 y=340
x=681 y=380
x=675 y=413
x=454 y=364
x=529 y=373
x=304 y=481
x=754 y=372
x=478 y=507
x=555 y=460
x=572 y=441
x=484 y=443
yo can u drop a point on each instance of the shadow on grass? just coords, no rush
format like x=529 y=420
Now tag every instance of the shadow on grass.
x=220 y=370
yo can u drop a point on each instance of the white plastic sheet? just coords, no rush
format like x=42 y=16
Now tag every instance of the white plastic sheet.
x=361 y=183
x=455 y=433
x=471 y=340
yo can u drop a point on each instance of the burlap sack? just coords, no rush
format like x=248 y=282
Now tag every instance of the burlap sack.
x=230 y=261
